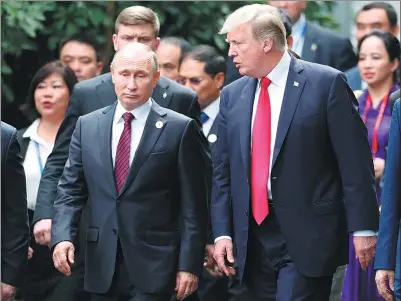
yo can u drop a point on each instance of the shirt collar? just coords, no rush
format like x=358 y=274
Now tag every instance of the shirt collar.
x=212 y=109
x=298 y=27
x=276 y=75
x=141 y=113
x=32 y=133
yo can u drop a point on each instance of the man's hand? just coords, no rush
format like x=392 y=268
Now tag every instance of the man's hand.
x=379 y=165
x=30 y=253
x=382 y=278
x=7 y=292
x=224 y=249
x=211 y=264
x=63 y=257
x=42 y=231
x=365 y=249
x=186 y=284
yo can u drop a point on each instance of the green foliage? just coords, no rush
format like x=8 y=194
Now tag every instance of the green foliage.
x=197 y=21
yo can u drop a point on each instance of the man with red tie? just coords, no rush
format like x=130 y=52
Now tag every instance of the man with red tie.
x=293 y=172
x=132 y=164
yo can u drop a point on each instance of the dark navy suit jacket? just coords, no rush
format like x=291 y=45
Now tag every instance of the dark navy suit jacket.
x=391 y=198
x=322 y=177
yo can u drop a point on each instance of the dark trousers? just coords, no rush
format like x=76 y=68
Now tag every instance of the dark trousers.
x=270 y=272
x=41 y=277
x=122 y=288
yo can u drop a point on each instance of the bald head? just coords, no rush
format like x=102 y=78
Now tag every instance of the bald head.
x=135 y=73
x=137 y=52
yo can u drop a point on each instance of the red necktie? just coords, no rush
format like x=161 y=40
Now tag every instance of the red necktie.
x=260 y=162
x=121 y=167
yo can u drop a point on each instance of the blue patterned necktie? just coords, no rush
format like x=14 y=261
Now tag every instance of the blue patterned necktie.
x=204 y=117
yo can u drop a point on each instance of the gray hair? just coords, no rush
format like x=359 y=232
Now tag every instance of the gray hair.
x=265 y=21
x=134 y=49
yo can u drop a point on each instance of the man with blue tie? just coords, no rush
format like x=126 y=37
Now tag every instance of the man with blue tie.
x=203 y=70
x=293 y=172
x=385 y=262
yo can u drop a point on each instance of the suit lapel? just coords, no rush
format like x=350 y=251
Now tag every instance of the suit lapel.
x=105 y=125
x=161 y=93
x=106 y=92
x=293 y=90
x=245 y=109
x=153 y=128
x=311 y=45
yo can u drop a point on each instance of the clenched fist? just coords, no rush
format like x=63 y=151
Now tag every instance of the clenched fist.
x=42 y=231
x=186 y=284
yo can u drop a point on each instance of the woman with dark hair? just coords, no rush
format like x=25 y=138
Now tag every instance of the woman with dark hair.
x=45 y=106
x=379 y=58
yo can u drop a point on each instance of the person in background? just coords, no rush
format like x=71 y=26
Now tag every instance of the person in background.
x=81 y=53
x=379 y=57
x=45 y=106
x=169 y=55
x=14 y=216
x=203 y=70
x=387 y=260
x=315 y=43
x=393 y=97
x=375 y=15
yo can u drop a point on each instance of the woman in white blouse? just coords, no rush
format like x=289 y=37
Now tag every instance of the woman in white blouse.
x=45 y=105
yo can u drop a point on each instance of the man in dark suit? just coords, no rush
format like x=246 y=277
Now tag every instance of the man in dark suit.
x=390 y=216
x=315 y=43
x=375 y=15
x=148 y=211
x=203 y=69
x=14 y=215
x=293 y=172
x=134 y=23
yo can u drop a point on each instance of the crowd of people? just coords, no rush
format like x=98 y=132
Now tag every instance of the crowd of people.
x=269 y=173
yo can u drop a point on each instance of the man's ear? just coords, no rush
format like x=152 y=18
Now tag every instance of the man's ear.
x=99 y=67
x=219 y=80
x=267 y=45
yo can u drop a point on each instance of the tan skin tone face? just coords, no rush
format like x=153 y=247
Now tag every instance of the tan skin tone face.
x=52 y=97
x=141 y=33
x=371 y=19
x=81 y=58
x=134 y=79
x=294 y=9
x=168 y=57
x=374 y=63
x=193 y=76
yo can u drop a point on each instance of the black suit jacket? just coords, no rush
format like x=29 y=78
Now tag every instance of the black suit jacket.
x=324 y=46
x=87 y=97
x=14 y=212
x=160 y=215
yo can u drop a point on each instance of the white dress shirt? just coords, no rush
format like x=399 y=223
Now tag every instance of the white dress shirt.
x=211 y=111
x=31 y=163
x=276 y=89
x=298 y=32
x=141 y=114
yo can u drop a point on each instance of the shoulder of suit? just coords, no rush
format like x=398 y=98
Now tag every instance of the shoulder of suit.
x=395 y=95
x=20 y=134
x=7 y=129
x=174 y=116
x=175 y=87
x=96 y=114
x=93 y=82
x=352 y=72
x=325 y=33
x=319 y=70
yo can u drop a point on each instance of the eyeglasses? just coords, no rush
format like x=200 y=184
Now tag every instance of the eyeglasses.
x=193 y=80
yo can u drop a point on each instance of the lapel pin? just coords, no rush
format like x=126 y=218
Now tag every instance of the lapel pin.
x=164 y=94
x=313 y=47
x=212 y=138
x=159 y=124
x=296 y=84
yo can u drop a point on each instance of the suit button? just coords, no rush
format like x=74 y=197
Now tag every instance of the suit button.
x=247 y=181
x=114 y=231
x=274 y=178
x=246 y=212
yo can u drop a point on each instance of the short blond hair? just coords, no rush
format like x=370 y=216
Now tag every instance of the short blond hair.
x=265 y=21
x=136 y=15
